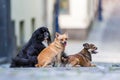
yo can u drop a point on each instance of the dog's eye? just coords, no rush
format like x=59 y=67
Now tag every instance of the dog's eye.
x=94 y=47
x=61 y=39
x=65 y=38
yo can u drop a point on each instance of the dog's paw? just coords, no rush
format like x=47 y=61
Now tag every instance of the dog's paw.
x=93 y=65
x=37 y=65
x=69 y=65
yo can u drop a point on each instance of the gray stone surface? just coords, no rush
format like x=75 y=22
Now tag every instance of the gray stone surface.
x=103 y=71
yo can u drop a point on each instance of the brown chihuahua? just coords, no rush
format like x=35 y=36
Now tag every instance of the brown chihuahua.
x=47 y=56
x=83 y=58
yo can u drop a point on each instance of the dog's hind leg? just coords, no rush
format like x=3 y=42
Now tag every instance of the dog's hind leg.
x=75 y=62
x=93 y=65
x=46 y=64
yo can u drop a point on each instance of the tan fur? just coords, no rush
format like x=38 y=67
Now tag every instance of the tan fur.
x=48 y=54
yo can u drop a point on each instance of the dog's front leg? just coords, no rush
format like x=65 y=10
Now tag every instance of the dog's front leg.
x=93 y=65
x=58 y=61
x=74 y=63
x=46 y=64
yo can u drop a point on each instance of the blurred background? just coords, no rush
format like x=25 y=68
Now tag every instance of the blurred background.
x=92 y=21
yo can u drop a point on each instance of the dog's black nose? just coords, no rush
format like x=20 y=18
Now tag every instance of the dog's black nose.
x=96 y=48
x=46 y=35
x=64 y=43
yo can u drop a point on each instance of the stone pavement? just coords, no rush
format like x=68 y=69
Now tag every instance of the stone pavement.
x=103 y=71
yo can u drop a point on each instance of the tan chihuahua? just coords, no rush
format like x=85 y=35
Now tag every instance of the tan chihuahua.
x=55 y=48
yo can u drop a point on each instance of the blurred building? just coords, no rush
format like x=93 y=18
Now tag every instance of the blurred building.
x=28 y=15
x=77 y=16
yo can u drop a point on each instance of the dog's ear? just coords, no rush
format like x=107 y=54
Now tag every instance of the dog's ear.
x=57 y=34
x=49 y=38
x=86 y=45
x=66 y=34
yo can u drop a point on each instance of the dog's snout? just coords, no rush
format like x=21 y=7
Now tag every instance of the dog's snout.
x=46 y=35
x=65 y=42
x=96 y=48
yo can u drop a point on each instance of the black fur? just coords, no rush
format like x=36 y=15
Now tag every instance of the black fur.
x=27 y=57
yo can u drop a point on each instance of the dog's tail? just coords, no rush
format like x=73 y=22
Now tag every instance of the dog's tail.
x=13 y=63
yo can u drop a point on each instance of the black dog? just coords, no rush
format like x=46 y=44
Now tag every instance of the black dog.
x=27 y=57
